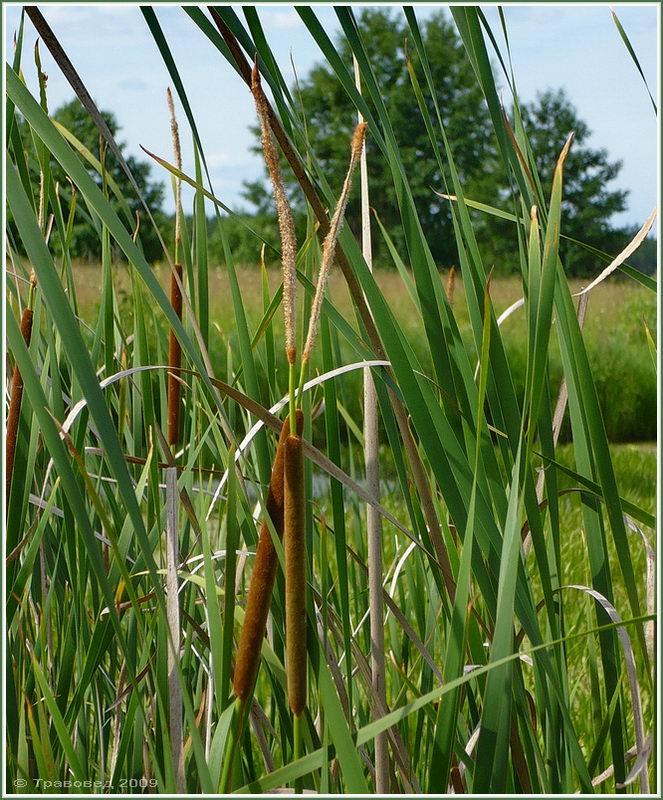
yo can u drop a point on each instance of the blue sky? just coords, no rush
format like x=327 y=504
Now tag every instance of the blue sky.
x=572 y=46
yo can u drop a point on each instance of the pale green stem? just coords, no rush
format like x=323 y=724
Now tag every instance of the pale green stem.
x=302 y=380
x=292 y=407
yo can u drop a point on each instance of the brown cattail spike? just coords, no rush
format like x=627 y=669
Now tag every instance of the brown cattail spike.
x=263 y=576
x=283 y=213
x=329 y=244
x=16 y=395
x=451 y=284
x=174 y=361
x=295 y=574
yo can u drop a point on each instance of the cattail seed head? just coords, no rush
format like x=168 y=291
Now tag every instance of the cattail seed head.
x=329 y=244
x=294 y=538
x=174 y=362
x=177 y=151
x=451 y=284
x=283 y=213
x=358 y=139
x=263 y=576
x=16 y=397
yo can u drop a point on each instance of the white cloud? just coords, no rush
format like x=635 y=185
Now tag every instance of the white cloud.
x=283 y=19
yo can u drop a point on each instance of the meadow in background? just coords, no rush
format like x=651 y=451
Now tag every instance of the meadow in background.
x=473 y=565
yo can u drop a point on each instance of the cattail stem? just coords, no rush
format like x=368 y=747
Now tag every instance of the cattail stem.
x=373 y=520
x=174 y=628
x=295 y=573
x=16 y=395
x=297 y=747
x=302 y=380
x=292 y=404
x=262 y=579
x=174 y=360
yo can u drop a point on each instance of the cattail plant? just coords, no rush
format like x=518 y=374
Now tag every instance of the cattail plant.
x=294 y=537
x=174 y=347
x=289 y=458
x=16 y=395
x=264 y=573
x=373 y=520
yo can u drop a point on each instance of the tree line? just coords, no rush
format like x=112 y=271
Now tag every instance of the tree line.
x=590 y=199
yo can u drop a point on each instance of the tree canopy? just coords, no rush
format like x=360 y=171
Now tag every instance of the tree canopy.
x=86 y=243
x=331 y=120
x=589 y=202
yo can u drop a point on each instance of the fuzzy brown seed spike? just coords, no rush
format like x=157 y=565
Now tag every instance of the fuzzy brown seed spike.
x=177 y=151
x=16 y=397
x=358 y=140
x=174 y=362
x=263 y=576
x=295 y=574
x=283 y=213
x=329 y=244
x=451 y=285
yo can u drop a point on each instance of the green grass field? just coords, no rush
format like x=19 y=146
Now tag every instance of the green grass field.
x=614 y=333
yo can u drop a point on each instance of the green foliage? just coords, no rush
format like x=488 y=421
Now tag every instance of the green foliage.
x=589 y=202
x=330 y=120
x=85 y=242
x=555 y=690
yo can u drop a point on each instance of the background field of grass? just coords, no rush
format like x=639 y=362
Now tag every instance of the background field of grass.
x=614 y=333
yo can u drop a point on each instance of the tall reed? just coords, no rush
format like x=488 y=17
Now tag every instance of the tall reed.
x=177 y=276
x=373 y=520
x=294 y=490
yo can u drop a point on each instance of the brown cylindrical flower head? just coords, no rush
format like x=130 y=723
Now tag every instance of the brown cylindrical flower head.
x=263 y=576
x=174 y=362
x=294 y=538
x=16 y=397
